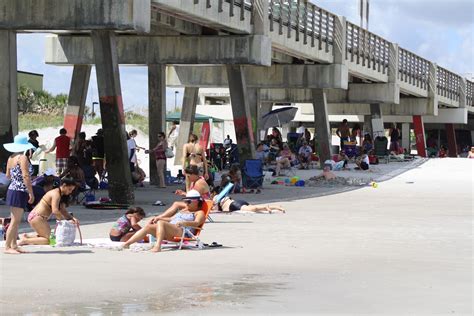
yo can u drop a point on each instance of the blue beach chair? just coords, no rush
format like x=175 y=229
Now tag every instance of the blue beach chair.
x=252 y=174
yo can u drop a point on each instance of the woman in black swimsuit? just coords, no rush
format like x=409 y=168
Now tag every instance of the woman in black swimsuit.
x=229 y=205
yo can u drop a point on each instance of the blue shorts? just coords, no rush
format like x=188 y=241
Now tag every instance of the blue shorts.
x=17 y=199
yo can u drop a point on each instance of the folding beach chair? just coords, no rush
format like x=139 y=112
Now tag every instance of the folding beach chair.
x=193 y=241
x=380 y=148
x=252 y=174
x=87 y=192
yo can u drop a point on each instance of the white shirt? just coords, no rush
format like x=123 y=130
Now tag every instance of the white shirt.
x=300 y=130
x=305 y=151
x=366 y=160
x=132 y=145
x=175 y=132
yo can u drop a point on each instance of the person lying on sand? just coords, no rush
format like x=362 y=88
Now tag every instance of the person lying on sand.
x=166 y=228
x=227 y=204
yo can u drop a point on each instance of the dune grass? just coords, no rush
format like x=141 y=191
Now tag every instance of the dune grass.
x=30 y=121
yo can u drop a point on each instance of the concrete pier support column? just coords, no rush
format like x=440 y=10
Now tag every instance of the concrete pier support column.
x=321 y=124
x=265 y=107
x=451 y=136
x=368 y=125
x=156 y=111
x=76 y=102
x=8 y=91
x=113 y=120
x=419 y=135
x=188 y=111
x=241 y=112
x=376 y=120
x=254 y=106
x=406 y=136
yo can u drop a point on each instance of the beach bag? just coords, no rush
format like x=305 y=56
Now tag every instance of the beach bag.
x=66 y=233
x=169 y=153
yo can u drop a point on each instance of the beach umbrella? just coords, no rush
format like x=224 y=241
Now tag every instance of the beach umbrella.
x=279 y=117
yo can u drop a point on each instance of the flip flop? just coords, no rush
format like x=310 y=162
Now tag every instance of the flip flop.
x=214 y=244
x=258 y=191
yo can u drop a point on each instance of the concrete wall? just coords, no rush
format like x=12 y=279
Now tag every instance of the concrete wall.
x=124 y=15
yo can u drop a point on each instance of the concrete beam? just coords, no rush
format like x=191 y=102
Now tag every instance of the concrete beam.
x=357 y=93
x=207 y=15
x=174 y=24
x=403 y=109
x=80 y=15
x=374 y=93
x=145 y=50
x=333 y=76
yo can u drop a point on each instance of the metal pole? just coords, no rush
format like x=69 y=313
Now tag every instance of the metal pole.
x=175 y=96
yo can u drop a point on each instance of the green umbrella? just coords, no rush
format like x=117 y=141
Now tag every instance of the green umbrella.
x=176 y=116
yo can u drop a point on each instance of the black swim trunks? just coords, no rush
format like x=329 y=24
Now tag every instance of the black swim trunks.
x=236 y=205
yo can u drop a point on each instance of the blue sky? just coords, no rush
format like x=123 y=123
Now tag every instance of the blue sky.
x=439 y=30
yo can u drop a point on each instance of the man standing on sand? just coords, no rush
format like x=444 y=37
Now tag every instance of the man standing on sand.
x=343 y=132
x=173 y=134
x=62 y=144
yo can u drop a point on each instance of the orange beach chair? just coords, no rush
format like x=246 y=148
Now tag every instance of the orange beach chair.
x=193 y=241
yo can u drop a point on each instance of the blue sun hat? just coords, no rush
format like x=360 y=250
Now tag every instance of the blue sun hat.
x=20 y=144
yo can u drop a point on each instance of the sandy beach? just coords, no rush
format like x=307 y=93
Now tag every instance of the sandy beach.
x=402 y=248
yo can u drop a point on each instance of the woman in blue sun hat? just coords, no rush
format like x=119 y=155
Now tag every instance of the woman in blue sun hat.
x=20 y=190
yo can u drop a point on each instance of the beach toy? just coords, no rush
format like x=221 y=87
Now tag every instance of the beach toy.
x=274 y=182
x=373 y=184
x=293 y=180
x=223 y=193
x=299 y=183
x=287 y=180
x=281 y=182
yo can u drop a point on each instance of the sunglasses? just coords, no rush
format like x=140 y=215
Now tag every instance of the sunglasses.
x=188 y=201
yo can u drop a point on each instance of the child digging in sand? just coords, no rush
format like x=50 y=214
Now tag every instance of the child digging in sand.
x=127 y=225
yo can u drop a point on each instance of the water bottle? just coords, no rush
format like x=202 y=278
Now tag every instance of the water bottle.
x=2 y=233
x=151 y=239
x=52 y=239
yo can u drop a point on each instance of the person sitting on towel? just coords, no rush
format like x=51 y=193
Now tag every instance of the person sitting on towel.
x=54 y=201
x=127 y=225
x=166 y=228
x=227 y=204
